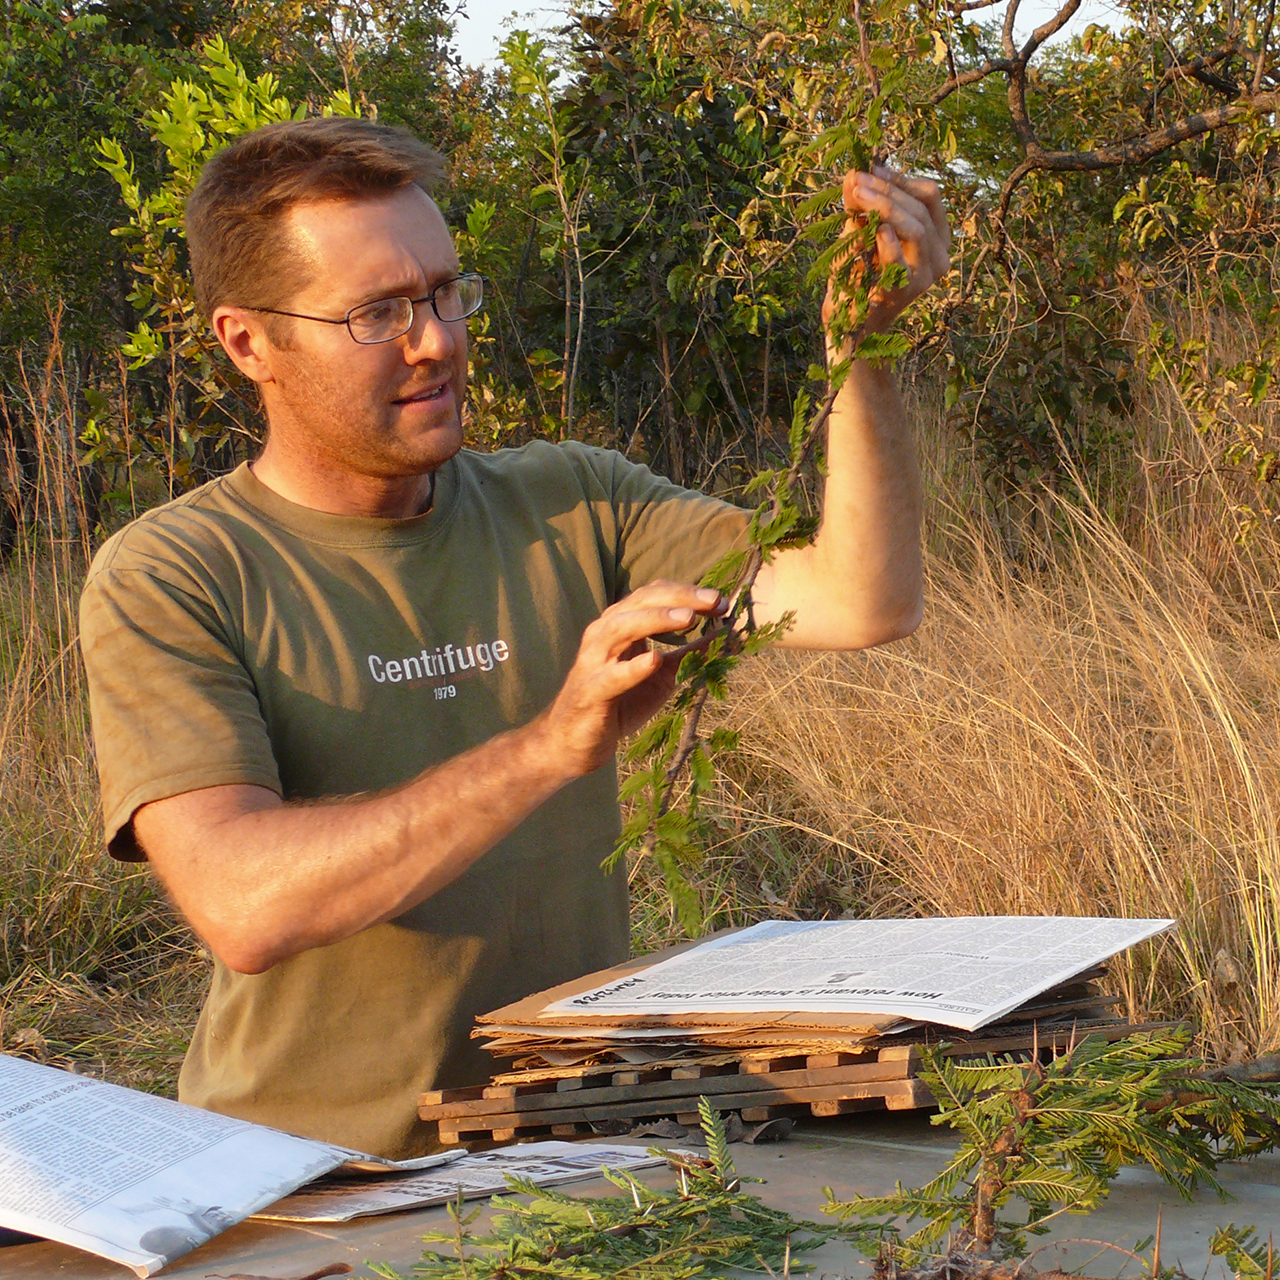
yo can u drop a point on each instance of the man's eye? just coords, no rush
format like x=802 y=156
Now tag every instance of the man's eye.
x=377 y=312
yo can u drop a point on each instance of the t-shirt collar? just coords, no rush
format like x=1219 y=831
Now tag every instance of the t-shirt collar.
x=336 y=530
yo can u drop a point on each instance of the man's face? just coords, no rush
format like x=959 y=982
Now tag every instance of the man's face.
x=390 y=409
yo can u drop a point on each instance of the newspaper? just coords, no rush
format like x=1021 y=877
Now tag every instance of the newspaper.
x=546 y=1163
x=964 y=971
x=134 y=1178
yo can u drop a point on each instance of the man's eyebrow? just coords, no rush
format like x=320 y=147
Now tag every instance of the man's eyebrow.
x=407 y=288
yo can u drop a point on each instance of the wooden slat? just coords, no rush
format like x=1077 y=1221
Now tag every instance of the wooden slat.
x=646 y=1108
x=510 y=1090
x=754 y=1115
x=701 y=1072
x=845 y=1106
x=766 y=1066
x=640 y=1075
x=659 y=1090
x=816 y=1061
x=916 y=1094
x=588 y=1079
x=436 y=1097
x=899 y=1053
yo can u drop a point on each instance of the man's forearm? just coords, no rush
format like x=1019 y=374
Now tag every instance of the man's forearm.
x=860 y=583
x=269 y=880
x=261 y=880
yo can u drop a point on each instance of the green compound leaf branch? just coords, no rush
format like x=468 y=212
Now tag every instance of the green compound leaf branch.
x=1039 y=1140
x=671 y=761
x=707 y=1226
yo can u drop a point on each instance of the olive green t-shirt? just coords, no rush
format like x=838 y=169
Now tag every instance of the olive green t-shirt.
x=232 y=636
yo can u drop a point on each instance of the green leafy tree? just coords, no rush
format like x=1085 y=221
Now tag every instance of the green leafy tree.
x=66 y=76
x=207 y=408
x=1096 y=179
x=65 y=79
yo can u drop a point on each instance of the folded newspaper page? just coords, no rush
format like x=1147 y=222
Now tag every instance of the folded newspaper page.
x=134 y=1178
x=546 y=1163
x=963 y=971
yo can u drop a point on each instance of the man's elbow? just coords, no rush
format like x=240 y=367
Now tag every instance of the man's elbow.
x=902 y=624
x=861 y=632
x=240 y=946
x=242 y=955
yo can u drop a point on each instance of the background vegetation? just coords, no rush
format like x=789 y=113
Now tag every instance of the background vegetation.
x=1087 y=720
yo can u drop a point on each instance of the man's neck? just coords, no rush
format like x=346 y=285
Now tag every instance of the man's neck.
x=340 y=492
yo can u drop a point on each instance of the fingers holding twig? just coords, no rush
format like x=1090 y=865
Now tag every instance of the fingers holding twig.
x=913 y=233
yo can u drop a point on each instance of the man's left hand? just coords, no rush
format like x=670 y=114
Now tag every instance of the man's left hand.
x=913 y=231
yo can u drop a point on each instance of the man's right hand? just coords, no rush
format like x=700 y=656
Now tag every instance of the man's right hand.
x=617 y=682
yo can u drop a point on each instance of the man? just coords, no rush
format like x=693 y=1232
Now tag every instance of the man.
x=358 y=701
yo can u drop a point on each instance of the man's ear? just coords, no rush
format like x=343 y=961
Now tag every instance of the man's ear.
x=244 y=338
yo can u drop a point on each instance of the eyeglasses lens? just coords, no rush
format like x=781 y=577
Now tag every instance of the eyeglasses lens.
x=392 y=317
x=381 y=321
x=459 y=298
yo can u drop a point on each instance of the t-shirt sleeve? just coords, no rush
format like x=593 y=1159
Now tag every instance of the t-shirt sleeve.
x=174 y=709
x=662 y=530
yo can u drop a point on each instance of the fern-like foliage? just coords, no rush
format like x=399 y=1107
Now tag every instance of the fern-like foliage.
x=1049 y=1138
x=717 y=1143
x=706 y=1227
x=1248 y=1256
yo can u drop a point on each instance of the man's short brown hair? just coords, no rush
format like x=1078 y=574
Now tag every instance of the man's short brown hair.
x=240 y=254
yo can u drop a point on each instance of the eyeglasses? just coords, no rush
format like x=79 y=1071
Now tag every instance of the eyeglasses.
x=391 y=318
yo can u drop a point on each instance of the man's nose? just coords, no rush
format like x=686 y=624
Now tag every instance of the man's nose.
x=431 y=338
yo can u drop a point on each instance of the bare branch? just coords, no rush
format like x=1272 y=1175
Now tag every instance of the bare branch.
x=1184 y=68
x=968 y=6
x=972 y=76
x=1006 y=33
x=864 y=48
x=723 y=375
x=1218 y=83
x=1133 y=150
x=1050 y=28
x=1137 y=150
x=1018 y=108
x=1263 y=43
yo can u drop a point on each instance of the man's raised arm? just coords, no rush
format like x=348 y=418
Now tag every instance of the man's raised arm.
x=860 y=583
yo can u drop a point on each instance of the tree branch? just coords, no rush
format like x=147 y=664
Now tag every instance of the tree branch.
x=972 y=76
x=1263 y=45
x=1133 y=150
x=1006 y=33
x=1187 y=68
x=1142 y=148
x=1050 y=28
x=864 y=48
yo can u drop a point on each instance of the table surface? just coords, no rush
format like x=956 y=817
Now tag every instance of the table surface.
x=853 y=1155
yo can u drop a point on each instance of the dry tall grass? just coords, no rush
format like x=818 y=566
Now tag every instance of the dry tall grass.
x=94 y=967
